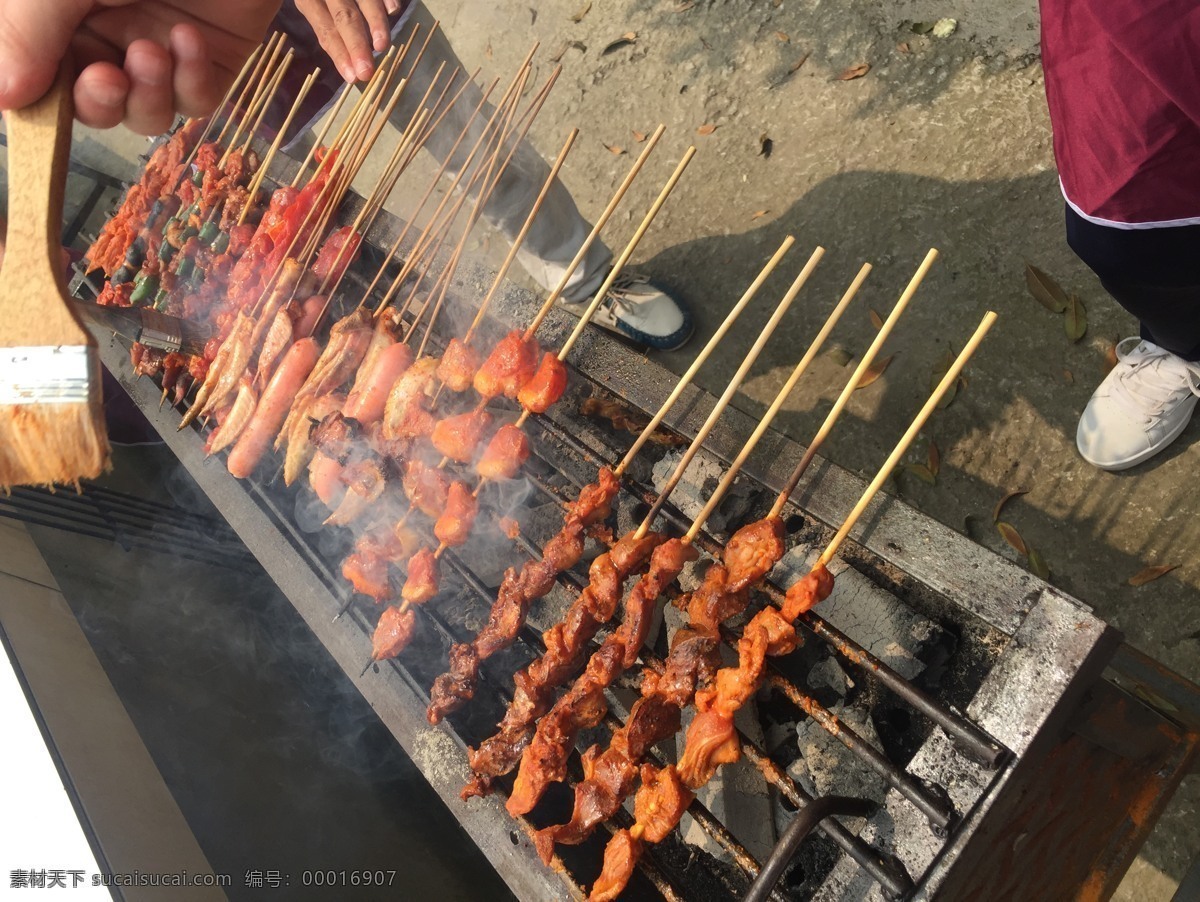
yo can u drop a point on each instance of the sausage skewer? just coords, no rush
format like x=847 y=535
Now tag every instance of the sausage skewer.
x=712 y=739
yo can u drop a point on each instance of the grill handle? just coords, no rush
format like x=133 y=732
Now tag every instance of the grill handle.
x=802 y=824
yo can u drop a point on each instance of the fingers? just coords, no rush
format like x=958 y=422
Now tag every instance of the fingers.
x=150 y=104
x=344 y=34
x=33 y=38
x=100 y=92
x=376 y=14
x=196 y=85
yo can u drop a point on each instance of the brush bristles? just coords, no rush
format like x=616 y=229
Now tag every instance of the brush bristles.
x=52 y=444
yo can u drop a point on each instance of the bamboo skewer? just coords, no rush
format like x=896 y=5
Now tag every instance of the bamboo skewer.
x=730 y=390
x=263 y=52
x=256 y=183
x=424 y=199
x=441 y=107
x=429 y=129
x=519 y=239
x=372 y=206
x=481 y=182
x=482 y=171
x=782 y=395
x=267 y=99
x=263 y=86
x=481 y=200
x=435 y=224
x=320 y=139
x=627 y=253
x=554 y=295
x=852 y=385
x=691 y=371
x=212 y=120
x=923 y=415
x=410 y=263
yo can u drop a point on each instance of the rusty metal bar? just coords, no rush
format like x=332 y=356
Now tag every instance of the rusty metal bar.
x=939 y=811
x=802 y=824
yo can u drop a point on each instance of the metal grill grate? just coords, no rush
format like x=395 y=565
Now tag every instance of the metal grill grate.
x=936 y=797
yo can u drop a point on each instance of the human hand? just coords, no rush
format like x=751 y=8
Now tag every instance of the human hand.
x=137 y=61
x=349 y=30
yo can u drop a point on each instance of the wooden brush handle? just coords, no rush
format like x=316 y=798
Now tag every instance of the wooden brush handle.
x=33 y=310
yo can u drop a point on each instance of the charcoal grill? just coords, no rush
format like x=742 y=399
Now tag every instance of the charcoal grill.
x=1034 y=765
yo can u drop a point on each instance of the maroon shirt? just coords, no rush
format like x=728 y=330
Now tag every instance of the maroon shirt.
x=1123 y=86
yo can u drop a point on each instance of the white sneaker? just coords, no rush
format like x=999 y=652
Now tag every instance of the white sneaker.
x=637 y=308
x=1140 y=407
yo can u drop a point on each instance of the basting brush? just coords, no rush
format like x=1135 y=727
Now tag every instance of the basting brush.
x=51 y=417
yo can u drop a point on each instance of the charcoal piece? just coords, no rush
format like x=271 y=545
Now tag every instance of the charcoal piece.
x=826 y=767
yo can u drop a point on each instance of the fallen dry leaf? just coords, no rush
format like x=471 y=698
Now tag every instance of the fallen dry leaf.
x=792 y=70
x=706 y=129
x=1009 y=533
x=1037 y=565
x=567 y=45
x=935 y=458
x=582 y=11
x=876 y=319
x=1003 y=501
x=922 y=473
x=1150 y=574
x=683 y=6
x=765 y=146
x=782 y=37
x=874 y=371
x=1068 y=377
x=639 y=136
x=614 y=150
x=1075 y=318
x=855 y=72
x=903 y=47
x=1047 y=291
x=758 y=214
x=624 y=40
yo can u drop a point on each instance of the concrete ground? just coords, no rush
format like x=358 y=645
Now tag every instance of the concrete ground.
x=944 y=142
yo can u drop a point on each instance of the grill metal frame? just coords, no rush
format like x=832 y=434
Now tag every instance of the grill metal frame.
x=1052 y=642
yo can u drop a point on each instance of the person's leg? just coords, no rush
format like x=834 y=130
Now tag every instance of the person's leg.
x=559 y=230
x=634 y=306
x=1152 y=273
x=1148 y=398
